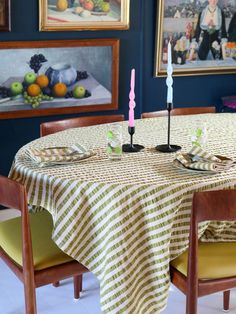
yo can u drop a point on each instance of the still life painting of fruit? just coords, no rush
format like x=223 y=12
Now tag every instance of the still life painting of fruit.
x=88 y=14
x=57 y=77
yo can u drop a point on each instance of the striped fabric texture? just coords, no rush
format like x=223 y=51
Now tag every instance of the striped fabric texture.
x=125 y=220
x=199 y=159
x=57 y=155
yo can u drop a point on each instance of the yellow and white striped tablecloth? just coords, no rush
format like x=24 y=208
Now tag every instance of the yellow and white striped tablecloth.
x=126 y=219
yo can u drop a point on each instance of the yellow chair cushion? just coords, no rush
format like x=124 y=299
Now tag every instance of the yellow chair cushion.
x=215 y=260
x=45 y=251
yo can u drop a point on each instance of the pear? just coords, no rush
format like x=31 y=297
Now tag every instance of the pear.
x=62 y=5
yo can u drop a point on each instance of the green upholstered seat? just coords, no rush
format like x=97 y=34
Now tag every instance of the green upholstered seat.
x=215 y=260
x=45 y=251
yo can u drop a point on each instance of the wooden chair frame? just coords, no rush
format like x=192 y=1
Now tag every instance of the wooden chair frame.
x=13 y=194
x=210 y=205
x=179 y=111
x=51 y=127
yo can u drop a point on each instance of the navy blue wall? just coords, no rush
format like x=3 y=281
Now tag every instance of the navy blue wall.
x=136 y=51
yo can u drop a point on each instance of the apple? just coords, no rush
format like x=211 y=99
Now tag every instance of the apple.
x=30 y=78
x=79 y=91
x=105 y=7
x=16 y=88
x=88 y=5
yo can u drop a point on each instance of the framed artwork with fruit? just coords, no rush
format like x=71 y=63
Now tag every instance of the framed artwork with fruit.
x=62 y=15
x=5 y=15
x=58 y=77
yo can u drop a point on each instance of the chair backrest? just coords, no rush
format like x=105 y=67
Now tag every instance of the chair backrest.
x=214 y=205
x=13 y=194
x=51 y=127
x=209 y=205
x=178 y=111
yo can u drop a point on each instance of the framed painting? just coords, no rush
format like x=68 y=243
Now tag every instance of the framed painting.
x=4 y=15
x=202 y=35
x=65 y=15
x=58 y=77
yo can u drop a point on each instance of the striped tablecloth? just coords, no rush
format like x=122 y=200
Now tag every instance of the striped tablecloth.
x=126 y=219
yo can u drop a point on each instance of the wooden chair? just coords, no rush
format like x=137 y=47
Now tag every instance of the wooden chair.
x=27 y=248
x=178 y=111
x=51 y=127
x=207 y=267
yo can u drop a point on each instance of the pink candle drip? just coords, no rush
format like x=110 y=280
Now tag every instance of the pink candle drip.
x=131 y=99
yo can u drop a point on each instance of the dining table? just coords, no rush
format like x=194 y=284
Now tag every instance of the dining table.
x=125 y=220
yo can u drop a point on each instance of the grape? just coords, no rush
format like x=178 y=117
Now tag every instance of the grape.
x=97 y=5
x=36 y=61
x=42 y=58
x=5 y=92
x=81 y=75
x=69 y=95
x=97 y=9
x=36 y=100
x=87 y=93
x=47 y=91
x=25 y=86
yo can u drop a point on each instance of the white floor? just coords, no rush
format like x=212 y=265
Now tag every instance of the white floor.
x=60 y=300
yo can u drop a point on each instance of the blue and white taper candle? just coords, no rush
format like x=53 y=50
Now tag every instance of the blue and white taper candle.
x=169 y=80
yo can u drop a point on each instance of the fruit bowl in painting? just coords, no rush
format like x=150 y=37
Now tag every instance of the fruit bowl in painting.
x=61 y=73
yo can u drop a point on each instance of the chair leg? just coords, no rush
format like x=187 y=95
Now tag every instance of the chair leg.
x=191 y=304
x=77 y=286
x=30 y=301
x=56 y=284
x=81 y=283
x=226 y=296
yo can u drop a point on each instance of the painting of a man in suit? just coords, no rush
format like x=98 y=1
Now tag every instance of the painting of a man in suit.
x=210 y=27
x=232 y=29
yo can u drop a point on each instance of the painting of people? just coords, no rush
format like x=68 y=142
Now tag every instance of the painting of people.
x=202 y=34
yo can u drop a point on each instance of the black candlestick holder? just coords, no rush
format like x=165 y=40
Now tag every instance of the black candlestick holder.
x=167 y=148
x=131 y=148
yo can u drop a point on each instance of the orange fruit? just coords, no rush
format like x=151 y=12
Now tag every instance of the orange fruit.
x=59 y=89
x=42 y=80
x=33 y=90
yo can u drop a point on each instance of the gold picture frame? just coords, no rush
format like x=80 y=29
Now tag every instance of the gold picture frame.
x=58 y=69
x=79 y=15
x=181 y=23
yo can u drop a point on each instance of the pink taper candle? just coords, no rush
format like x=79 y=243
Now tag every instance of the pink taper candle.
x=131 y=99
